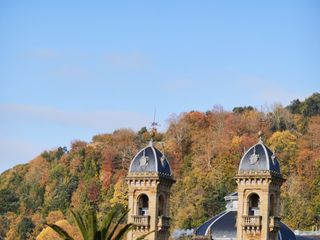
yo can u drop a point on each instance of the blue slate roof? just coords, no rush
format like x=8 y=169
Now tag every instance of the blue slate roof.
x=259 y=158
x=150 y=160
x=307 y=237
x=285 y=233
x=204 y=228
x=223 y=226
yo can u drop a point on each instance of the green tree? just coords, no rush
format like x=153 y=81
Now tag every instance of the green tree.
x=240 y=110
x=25 y=227
x=311 y=106
x=120 y=195
x=284 y=144
x=294 y=107
x=9 y=202
x=280 y=119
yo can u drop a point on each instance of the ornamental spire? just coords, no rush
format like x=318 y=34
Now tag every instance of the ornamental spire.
x=150 y=143
x=154 y=126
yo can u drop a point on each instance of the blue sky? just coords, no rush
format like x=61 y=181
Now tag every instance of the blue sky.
x=73 y=69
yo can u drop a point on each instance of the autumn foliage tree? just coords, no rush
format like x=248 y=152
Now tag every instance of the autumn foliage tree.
x=204 y=150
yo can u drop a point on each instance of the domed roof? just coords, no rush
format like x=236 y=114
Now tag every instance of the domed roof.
x=150 y=160
x=223 y=225
x=259 y=158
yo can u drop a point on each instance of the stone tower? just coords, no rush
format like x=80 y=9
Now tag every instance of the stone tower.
x=149 y=180
x=259 y=181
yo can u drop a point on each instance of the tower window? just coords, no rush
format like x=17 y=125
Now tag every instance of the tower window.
x=254 y=205
x=143 y=205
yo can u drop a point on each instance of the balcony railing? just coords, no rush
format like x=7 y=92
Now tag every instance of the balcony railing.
x=251 y=221
x=274 y=223
x=141 y=220
x=163 y=222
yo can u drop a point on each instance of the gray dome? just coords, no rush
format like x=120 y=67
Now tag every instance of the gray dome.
x=259 y=158
x=150 y=160
x=223 y=225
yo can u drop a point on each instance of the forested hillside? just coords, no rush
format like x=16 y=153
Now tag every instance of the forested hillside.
x=204 y=150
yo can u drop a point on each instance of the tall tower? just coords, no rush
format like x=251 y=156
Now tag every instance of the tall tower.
x=149 y=180
x=259 y=181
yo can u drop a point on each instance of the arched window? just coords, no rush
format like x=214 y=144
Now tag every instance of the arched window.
x=143 y=205
x=161 y=206
x=254 y=205
x=272 y=206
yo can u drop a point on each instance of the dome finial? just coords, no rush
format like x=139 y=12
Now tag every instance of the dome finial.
x=260 y=134
x=150 y=143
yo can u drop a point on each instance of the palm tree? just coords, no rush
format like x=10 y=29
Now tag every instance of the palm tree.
x=88 y=227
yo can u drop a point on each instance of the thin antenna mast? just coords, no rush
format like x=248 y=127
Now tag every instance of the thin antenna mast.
x=154 y=125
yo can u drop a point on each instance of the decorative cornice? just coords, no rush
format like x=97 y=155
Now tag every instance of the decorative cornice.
x=149 y=175
x=259 y=174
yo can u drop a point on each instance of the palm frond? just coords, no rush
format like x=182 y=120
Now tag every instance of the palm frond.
x=111 y=228
x=107 y=223
x=123 y=231
x=92 y=225
x=122 y=216
x=144 y=235
x=62 y=233
x=80 y=224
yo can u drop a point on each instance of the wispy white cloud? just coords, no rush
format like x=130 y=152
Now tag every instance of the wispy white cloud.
x=266 y=90
x=78 y=66
x=179 y=84
x=127 y=61
x=43 y=54
x=17 y=151
x=71 y=73
x=49 y=127
x=96 y=120
x=230 y=89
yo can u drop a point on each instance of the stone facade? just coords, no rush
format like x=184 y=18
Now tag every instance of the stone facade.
x=258 y=204
x=253 y=212
x=149 y=195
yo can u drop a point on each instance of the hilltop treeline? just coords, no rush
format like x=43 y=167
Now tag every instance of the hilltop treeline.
x=204 y=150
